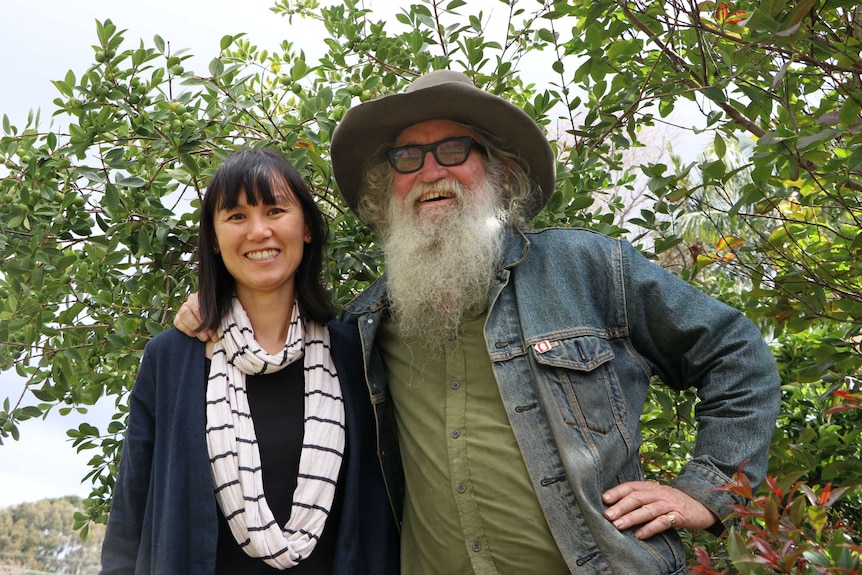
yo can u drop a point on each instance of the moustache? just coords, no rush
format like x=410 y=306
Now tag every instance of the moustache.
x=424 y=191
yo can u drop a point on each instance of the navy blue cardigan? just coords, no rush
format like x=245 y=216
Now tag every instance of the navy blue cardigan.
x=164 y=514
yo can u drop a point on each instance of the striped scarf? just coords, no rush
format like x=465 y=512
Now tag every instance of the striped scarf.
x=232 y=443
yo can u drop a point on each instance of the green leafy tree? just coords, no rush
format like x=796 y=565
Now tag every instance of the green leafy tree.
x=38 y=537
x=97 y=219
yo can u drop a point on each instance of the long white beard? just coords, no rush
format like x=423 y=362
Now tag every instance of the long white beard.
x=440 y=271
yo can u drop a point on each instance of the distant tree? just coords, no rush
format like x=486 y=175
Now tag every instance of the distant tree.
x=39 y=537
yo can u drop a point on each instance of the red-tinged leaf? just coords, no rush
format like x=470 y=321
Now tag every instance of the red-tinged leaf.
x=838 y=408
x=742 y=485
x=767 y=553
x=741 y=511
x=836 y=495
x=721 y=11
x=738 y=17
x=770 y=516
x=728 y=243
x=772 y=483
x=704 y=564
x=824 y=495
x=812 y=498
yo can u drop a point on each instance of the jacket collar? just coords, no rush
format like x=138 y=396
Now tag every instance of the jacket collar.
x=374 y=298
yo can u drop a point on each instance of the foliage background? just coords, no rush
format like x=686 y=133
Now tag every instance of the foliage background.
x=38 y=538
x=97 y=219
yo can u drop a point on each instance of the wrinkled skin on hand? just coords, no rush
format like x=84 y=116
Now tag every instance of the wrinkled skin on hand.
x=655 y=508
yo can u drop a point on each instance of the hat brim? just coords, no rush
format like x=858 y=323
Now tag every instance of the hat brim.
x=367 y=127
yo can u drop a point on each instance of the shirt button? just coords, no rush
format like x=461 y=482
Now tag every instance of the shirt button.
x=456 y=434
x=456 y=384
x=452 y=336
x=462 y=488
x=477 y=546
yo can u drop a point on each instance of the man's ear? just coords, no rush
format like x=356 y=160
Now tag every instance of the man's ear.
x=508 y=164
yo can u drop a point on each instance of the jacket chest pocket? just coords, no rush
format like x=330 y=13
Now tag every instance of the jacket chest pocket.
x=582 y=379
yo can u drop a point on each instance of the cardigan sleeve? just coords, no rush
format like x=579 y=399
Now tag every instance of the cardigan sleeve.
x=123 y=534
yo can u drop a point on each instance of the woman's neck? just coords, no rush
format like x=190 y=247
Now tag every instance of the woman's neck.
x=269 y=315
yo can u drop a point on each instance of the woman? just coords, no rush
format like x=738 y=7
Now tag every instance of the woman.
x=254 y=453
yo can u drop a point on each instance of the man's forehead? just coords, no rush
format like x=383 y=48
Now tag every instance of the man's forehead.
x=432 y=131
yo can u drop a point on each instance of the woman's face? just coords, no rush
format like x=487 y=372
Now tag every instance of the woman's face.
x=262 y=245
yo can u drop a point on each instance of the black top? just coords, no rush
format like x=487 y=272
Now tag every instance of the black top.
x=277 y=403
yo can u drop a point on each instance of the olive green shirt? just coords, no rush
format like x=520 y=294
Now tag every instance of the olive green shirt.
x=469 y=504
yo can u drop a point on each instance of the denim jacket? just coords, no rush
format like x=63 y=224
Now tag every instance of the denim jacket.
x=577 y=327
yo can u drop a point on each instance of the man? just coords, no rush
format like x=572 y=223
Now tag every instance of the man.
x=514 y=364
x=509 y=367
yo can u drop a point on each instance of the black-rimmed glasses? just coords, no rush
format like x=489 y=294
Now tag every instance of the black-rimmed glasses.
x=448 y=152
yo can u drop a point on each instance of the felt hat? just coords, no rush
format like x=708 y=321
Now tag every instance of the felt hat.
x=438 y=95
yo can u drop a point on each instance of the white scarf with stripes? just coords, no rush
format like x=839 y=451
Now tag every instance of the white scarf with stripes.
x=232 y=443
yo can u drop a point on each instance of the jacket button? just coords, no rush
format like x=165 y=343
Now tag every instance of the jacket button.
x=456 y=434
x=477 y=546
x=456 y=384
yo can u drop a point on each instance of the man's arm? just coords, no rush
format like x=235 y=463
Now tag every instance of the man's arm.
x=697 y=341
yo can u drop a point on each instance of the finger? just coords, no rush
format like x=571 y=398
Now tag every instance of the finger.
x=617 y=492
x=657 y=525
x=631 y=495
x=629 y=513
x=188 y=317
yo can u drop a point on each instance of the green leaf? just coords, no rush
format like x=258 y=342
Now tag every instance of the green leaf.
x=817 y=517
x=545 y=35
x=806 y=141
x=850 y=112
x=716 y=94
x=719 y=146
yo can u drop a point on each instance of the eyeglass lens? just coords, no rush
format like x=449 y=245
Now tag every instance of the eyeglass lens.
x=449 y=152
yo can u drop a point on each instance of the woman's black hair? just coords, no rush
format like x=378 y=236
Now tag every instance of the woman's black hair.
x=256 y=173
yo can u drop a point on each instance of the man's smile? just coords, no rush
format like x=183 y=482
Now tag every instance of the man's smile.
x=434 y=195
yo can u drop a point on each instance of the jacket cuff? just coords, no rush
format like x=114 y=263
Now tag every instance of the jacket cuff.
x=703 y=481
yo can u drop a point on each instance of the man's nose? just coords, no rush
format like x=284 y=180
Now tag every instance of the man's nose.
x=431 y=171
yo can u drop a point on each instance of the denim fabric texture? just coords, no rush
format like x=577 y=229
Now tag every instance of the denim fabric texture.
x=164 y=515
x=578 y=326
